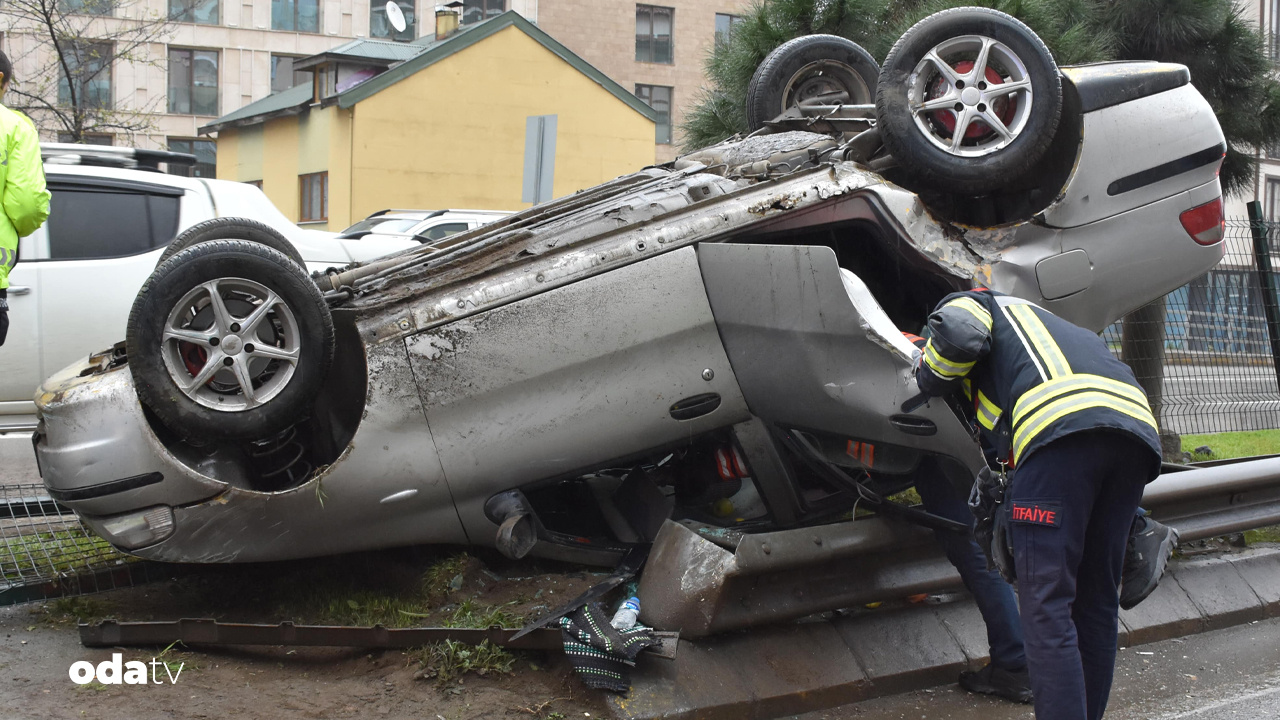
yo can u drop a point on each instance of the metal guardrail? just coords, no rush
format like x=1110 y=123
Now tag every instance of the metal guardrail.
x=703 y=588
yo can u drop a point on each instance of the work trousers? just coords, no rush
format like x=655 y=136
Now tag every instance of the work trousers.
x=993 y=596
x=1073 y=502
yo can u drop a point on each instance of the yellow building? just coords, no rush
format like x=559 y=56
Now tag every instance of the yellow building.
x=496 y=116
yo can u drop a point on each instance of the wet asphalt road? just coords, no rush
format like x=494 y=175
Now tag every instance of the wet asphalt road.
x=1231 y=674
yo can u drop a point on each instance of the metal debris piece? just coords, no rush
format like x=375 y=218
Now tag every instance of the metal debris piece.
x=204 y=631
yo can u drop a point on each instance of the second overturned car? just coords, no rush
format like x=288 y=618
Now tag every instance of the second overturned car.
x=701 y=341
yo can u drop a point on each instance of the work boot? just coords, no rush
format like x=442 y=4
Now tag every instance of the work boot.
x=991 y=680
x=1150 y=547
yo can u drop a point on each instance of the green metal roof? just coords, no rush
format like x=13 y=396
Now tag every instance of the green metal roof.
x=285 y=102
x=363 y=49
x=415 y=56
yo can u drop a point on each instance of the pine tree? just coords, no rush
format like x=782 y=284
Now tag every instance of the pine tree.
x=1223 y=50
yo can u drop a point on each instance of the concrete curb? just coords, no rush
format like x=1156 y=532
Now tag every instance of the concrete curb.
x=797 y=668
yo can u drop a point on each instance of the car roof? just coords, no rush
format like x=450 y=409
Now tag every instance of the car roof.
x=143 y=176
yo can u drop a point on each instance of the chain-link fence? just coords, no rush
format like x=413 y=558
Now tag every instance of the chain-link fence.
x=1207 y=352
x=45 y=551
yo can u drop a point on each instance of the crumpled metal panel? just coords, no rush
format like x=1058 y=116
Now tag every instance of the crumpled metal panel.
x=615 y=225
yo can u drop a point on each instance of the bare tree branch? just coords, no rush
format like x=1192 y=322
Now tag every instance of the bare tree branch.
x=70 y=50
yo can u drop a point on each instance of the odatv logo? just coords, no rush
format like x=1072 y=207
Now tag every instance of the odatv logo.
x=115 y=672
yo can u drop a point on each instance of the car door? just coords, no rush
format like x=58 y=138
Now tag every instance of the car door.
x=813 y=350
x=105 y=236
x=20 y=369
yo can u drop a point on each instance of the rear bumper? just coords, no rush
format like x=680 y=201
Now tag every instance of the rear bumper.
x=98 y=455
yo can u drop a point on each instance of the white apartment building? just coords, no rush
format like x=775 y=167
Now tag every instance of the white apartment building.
x=219 y=55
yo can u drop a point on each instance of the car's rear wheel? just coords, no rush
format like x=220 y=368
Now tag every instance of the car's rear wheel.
x=821 y=69
x=968 y=100
x=232 y=228
x=229 y=339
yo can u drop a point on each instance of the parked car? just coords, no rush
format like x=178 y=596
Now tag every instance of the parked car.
x=425 y=225
x=111 y=220
x=716 y=340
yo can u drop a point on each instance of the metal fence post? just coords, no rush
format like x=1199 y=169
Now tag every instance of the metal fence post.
x=1262 y=260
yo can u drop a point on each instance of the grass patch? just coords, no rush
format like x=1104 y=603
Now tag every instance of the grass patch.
x=1224 y=446
x=450 y=660
x=472 y=615
x=1266 y=534
x=79 y=608
x=445 y=576
x=53 y=554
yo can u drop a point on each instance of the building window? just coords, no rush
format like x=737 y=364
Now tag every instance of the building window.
x=1273 y=31
x=380 y=26
x=206 y=152
x=87 y=7
x=1271 y=203
x=658 y=98
x=724 y=26
x=314 y=205
x=283 y=76
x=326 y=82
x=474 y=11
x=201 y=12
x=653 y=34
x=300 y=15
x=193 y=82
x=90 y=76
x=88 y=138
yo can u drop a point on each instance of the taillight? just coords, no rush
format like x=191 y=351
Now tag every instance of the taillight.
x=1204 y=223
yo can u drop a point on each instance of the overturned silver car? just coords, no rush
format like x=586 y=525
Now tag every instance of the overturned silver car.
x=695 y=341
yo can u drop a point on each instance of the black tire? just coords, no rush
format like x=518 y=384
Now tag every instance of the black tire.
x=780 y=79
x=299 y=323
x=1005 y=158
x=232 y=228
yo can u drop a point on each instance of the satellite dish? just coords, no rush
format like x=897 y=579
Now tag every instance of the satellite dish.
x=396 y=17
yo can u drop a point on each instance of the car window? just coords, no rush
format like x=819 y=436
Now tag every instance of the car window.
x=443 y=231
x=88 y=222
x=382 y=224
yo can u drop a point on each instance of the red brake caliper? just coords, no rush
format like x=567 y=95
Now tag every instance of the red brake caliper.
x=193 y=356
x=1004 y=107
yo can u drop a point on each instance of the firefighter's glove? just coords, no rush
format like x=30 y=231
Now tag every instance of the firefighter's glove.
x=991 y=522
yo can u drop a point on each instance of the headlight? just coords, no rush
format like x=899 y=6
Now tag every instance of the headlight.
x=136 y=529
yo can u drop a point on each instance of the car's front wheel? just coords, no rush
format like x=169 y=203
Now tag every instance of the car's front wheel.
x=229 y=339
x=968 y=100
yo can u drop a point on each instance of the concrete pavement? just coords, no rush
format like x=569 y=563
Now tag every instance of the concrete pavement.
x=1232 y=673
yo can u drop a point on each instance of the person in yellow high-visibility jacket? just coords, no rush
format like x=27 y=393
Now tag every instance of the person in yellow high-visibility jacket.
x=23 y=196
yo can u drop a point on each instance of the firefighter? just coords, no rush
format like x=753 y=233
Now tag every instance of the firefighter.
x=25 y=201
x=1054 y=404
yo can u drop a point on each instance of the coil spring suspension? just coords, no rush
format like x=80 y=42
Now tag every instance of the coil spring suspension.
x=280 y=460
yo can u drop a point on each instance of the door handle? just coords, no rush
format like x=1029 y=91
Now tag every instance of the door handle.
x=913 y=425
x=19 y=290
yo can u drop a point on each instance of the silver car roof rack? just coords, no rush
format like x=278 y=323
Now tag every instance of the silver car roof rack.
x=111 y=156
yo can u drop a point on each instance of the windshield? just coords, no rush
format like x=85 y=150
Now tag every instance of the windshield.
x=383 y=225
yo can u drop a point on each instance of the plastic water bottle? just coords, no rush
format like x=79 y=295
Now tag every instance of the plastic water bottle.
x=625 y=618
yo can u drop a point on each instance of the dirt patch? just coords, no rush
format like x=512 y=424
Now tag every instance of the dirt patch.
x=38 y=643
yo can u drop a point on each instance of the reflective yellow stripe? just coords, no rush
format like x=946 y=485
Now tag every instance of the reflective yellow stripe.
x=988 y=413
x=1038 y=335
x=974 y=308
x=967 y=386
x=1081 y=381
x=1061 y=407
x=943 y=367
